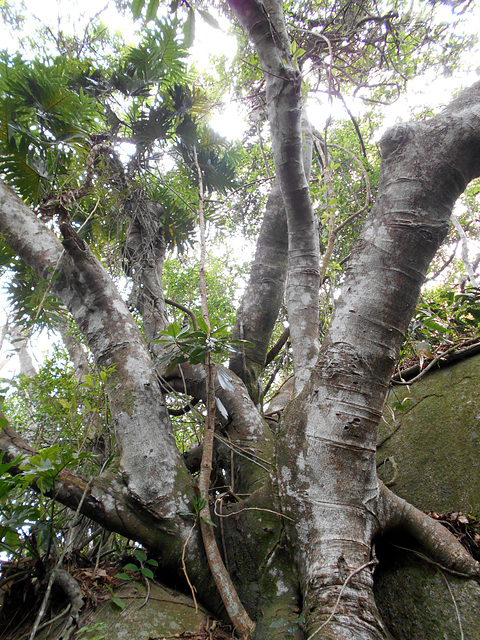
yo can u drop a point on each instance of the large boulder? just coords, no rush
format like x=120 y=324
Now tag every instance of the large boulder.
x=429 y=452
x=158 y=612
x=432 y=445
x=420 y=601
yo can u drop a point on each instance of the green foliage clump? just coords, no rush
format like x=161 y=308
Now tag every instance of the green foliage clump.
x=223 y=278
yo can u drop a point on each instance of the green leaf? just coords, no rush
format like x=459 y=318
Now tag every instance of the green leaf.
x=434 y=326
x=130 y=567
x=152 y=10
x=208 y=521
x=139 y=555
x=137 y=6
x=184 y=513
x=117 y=602
x=209 y=19
x=148 y=573
x=173 y=329
x=202 y=324
x=122 y=576
x=199 y=503
x=152 y=562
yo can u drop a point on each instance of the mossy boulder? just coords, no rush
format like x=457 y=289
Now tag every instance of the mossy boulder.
x=432 y=445
x=158 y=613
x=429 y=445
x=419 y=601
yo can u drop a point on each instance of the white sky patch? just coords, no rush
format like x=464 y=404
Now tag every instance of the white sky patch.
x=126 y=151
x=229 y=121
x=71 y=18
x=210 y=41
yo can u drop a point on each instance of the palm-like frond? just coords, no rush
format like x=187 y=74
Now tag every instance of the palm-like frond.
x=159 y=58
x=39 y=112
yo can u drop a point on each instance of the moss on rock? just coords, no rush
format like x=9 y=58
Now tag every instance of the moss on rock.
x=435 y=440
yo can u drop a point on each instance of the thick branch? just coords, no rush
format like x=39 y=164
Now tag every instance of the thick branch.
x=290 y=143
x=263 y=296
x=144 y=255
x=149 y=456
x=329 y=443
x=246 y=430
x=107 y=501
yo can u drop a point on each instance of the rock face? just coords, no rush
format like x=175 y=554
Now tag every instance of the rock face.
x=161 y=613
x=430 y=446
x=421 y=602
x=435 y=440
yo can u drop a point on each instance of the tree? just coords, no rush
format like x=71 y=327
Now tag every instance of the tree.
x=303 y=505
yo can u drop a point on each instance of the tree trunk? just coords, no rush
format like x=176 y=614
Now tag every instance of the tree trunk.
x=296 y=525
x=326 y=463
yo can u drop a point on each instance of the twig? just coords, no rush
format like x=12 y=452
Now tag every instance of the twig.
x=367 y=185
x=50 y=621
x=427 y=368
x=445 y=264
x=235 y=609
x=147 y=582
x=90 y=215
x=185 y=409
x=275 y=350
x=51 y=579
x=244 y=452
x=234 y=513
x=184 y=566
x=354 y=122
x=186 y=310
x=187 y=204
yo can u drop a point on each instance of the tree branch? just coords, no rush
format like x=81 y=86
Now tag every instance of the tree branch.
x=153 y=466
x=291 y=142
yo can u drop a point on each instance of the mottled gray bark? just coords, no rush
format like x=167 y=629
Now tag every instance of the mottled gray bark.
x=245 y=435
x=326 y=473
x=265 y=290
x=20 y=344
x=144 y=255
x=263 y=296
x=265 y=26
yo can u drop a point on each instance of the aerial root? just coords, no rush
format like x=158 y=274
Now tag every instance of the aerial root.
x=441 y=547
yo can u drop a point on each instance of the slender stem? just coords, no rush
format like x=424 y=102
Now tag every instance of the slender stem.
x=203 y=243
x=235 y=609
